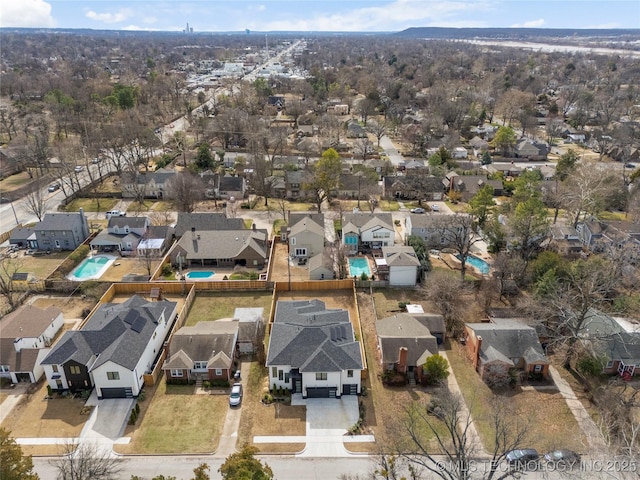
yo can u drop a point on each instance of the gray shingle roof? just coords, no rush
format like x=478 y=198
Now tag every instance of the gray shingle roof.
x=223 y=244
x=117 y=332
x=131 y=222
x=403 y=330
x=205 y=341
x=307 y=336
x=508 y=337
x=365 y=221
x=206 y=221
x=400 y=256
x=60 y=221
x=27 y=321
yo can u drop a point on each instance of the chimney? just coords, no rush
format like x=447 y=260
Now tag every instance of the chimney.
x=166 y=349
x=402 y=360
x=253 y=227
x=476 y=353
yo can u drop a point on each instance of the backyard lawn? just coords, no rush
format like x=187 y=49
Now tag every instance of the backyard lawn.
x=91 y=204
x=41 y=266
x=212 y=306
x=174 y=422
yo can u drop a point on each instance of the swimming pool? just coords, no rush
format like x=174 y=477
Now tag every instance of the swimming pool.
x=200 y=275
x=91 y=268
x=358 y=266
x=480 y=264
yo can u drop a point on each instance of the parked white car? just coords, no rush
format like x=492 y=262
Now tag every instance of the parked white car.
x=115 y=213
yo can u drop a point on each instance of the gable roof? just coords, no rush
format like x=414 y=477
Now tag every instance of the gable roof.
x=213 y=342
x=60 y=221
x=311 y=338
x=295 y=218
x=27 y=321
x=400 y=256
x=131 y=222
x=509 y=338
x=206 y=221
x=403 y=330
x=116 y=332
x=307 y=224
x=361 y=222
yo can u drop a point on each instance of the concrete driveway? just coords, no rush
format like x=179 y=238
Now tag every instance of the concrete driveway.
x=108 y=419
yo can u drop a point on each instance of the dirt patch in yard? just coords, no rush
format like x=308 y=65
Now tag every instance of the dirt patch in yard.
x=37 y=416
x=71 y=306
x=215 y=305
x=282 y=269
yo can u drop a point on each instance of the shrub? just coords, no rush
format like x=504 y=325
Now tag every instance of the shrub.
x=364 y=277
x=167 y=269
x=267 y=398
x=436 y=368
x=206 y=384
x=402 y=306
x=220 y=383
x=49 y=390
x=137 y=408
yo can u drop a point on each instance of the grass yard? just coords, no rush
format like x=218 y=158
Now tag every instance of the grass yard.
x=14 y=182
x=389 y=205
x=212 y=306
x=274 y=419
x=387 y=299
x=248 y=223
x=34 y=416
x=71 y=307
x=274 y=205
x=91 y=204
x=178 y=421
x=551 y=423
x=41 y=266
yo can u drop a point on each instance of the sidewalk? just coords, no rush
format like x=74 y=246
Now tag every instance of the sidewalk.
x=588 y=426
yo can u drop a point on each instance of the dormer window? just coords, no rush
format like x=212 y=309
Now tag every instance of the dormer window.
x=126 y=229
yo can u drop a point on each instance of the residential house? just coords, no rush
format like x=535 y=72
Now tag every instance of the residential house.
x=322 y=266
x=565 y=239
x=404 y=345
x=498 y=347
x=313 y=351
x=508 y=170
x=437 y=231
x=114 y=349
x=56 y=231
x=469 y=185
x=365 y=231
x=306 y=235
x=294 y=183
x=221 y=248
x=578 y=138
x=205 y=221
x=147 y=185
x=531 y=150
x=231 y=186
x=398 y=265
x=414 y=164
x=306 y=131
x=25 y=337
x=156 y=240
x=204 y=351
x=355 y=130
x=615 y=339
x=123 y=234
x=486 y=132
x=354 y=186
x=250 y=330
x=459 y=153
x=479 y=145
x=414 y=185
x=615 y=234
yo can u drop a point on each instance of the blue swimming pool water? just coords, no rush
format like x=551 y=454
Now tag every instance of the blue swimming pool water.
x=200 y=275
x=358 y=266
x=480 y=264
x=91 y=268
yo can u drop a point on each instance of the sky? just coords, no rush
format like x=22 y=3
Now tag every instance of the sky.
x=317 y=15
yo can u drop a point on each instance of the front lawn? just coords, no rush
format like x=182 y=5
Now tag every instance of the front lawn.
x=178 y=421
x=14 y=182
x=91 y=204
x=550 y=422
x=212 y=306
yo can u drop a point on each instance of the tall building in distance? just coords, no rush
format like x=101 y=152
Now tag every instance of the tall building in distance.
x=188 y=30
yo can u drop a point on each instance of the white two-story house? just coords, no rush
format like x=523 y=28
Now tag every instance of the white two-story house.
x=365 y=231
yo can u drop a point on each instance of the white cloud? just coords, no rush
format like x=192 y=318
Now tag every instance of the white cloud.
x=26 y=13
x=390 y=16
x=530 y=24
x=117 y=17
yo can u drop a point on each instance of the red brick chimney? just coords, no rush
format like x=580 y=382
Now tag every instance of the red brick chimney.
x=402 y=360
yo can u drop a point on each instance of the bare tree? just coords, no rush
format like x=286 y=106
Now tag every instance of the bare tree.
x=585 y=191
x=457 y=232
x=187 y=190
x=446 y=290
x=8 y=267
x=35 y=201
x=86 y=461
x=457 y=442
x=363 y=148
x=379 y=130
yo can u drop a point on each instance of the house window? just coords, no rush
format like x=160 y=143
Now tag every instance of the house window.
x=609 y=364
x=537 y=368
x=350 y=373
x=321 y=375
x=280 y=375
x=126 y=229
x=113 y=375
x=286 y=377
x=200 y=365
x=274 y=372
x=293 y=240
x=74 y=370
x=176 y=373
x=218 y=372
x=300 y=252
x=54 y=368
x=4 y=368
x=351 y=240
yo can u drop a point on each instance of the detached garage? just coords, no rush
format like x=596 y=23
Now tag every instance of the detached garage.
x=402 y=265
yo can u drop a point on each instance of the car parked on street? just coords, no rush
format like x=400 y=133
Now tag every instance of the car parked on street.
x=417 y=210
x=53 y=187
x=563 y=458
x=235 y=397
x=523 y=458
x=78 y=168
x=435 y=207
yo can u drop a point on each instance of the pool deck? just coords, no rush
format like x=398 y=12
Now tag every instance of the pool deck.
x=111 y=259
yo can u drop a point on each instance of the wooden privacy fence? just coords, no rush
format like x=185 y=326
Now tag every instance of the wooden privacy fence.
x=347 y=283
